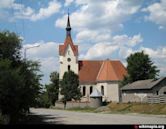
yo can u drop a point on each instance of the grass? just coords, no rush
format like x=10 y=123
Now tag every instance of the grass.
x=157 y=109
x=123 y=108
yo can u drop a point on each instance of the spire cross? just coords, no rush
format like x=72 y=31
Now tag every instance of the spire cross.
x=68 y=28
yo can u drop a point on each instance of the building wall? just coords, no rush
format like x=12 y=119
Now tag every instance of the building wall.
x=160 y=89
x=86 y=97
x=135 y=97
x=141 y=95
x=64 y=63
x=105 y=95
x=111 y=91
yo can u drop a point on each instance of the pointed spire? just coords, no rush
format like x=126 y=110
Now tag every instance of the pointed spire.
x=68 y=28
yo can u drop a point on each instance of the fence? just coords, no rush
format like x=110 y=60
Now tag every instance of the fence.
x=156 y=99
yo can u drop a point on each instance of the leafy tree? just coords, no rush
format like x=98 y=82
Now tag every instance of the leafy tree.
x=10 y=45
x=53 y=87
x=43 y=100
x=19 y=80
x=70 y=87
x=140 y=67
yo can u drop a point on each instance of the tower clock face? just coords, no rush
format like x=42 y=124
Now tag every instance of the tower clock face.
x=68 y=59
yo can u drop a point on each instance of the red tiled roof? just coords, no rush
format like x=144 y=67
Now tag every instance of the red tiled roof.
x=111 y=70
x=68 y=41
x=88 y=70
x=93 y=71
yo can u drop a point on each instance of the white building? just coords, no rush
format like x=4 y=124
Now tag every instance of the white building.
x=104 y=75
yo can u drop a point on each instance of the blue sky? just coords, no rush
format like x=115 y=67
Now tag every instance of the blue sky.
x=102 y=28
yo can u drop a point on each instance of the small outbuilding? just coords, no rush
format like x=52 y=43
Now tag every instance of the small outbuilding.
x=140 y=91
x=96 y=99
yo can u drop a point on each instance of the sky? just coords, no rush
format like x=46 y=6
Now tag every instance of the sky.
x=103 y=29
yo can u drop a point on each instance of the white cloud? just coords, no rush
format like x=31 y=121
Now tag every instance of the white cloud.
x=129 y=41
x=44 y=50
x=92 y=36
x=158 y=56
x=124 y=52
x=53 y=7
x=22 y=12
x=6 y=3
x=68 y=2
x=122 y=44
x=96 y=20
x=47 y=55
x=157 y=13
x=48 y=65
x=100 y=50
x=159 y=53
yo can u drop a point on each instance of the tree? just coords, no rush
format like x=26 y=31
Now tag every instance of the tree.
x=43 y=100
x=140 y=67
x=10 y=45
x=70 y=87
x=53 y=87
x=19 y=80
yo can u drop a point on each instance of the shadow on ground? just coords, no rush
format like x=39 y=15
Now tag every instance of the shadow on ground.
x=40 y=119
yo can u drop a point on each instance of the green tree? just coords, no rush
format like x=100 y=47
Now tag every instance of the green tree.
x=140 y=67
x=43 y=100
x=19 y=80
x=53 y=87
x=70 y=87
x=10 y=45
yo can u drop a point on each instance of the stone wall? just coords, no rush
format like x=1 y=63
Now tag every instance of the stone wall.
x=73 y=104
x=134 y=97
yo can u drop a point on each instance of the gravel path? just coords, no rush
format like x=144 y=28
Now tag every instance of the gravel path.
x=54 y=116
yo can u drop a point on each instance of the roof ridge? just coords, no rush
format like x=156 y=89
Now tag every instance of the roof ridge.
x=113 y=69
x=73 y=47
x=100 y=70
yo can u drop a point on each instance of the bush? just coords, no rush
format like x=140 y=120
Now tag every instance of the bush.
x=43 y=101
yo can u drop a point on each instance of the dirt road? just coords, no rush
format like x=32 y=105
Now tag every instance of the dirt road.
x=53 y=116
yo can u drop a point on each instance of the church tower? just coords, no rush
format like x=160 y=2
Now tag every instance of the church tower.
x=68 y=53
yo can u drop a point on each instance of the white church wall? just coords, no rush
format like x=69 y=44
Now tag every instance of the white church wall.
x=86 y=97
x=99 y=88
x=113 y=92
x=64 y=62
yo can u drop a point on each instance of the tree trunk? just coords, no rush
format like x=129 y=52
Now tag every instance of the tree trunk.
x=64 y=104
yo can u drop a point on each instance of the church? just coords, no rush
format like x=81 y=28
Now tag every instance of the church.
x=101 y=75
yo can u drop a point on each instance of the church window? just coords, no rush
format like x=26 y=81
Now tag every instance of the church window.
x=102 y=90
x=68 y=52
x=84 y=90
x=68 y=59
x=91 y=89
x=68 y=67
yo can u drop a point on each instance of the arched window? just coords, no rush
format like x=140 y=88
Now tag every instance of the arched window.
x=68 y=67
x=102 y=90
x=91 y=89
x=84 y=90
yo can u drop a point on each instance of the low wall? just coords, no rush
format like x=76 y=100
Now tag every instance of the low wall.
x=134 y=97
x=73 y=104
